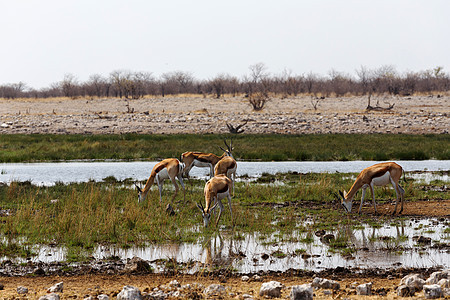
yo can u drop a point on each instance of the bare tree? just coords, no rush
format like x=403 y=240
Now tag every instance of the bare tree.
x=12 y=90
x=258 y=86
x=69 y=85
x=366 y=77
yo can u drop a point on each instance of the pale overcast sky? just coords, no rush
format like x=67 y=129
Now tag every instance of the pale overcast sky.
x=43 y=40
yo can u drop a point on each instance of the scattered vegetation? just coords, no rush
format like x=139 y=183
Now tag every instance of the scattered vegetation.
x=83 y=215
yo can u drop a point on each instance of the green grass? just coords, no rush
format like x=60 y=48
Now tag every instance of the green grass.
x=326 y=147
x=88 y=214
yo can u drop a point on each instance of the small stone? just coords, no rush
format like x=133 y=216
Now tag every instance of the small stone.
x=444 y=283
x=129 y=293
x=271 y=289
x=364 y=289
x=57 y=288
x=51 y=296
x=436 y=276
x=433 y=291
x=325 y=284
x=405 y=291
x=413 y=280
x=22 y=290
x=174 y=283
x=245 y=278
x=214 y=289
x=256 y=277
x=301 y=292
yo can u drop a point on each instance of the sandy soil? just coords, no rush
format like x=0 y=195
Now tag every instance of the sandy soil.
x=79 y=287
x=296 y=115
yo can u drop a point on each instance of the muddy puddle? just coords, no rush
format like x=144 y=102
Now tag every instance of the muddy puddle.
x=410 y=243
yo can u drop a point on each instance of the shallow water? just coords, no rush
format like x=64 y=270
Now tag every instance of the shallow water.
x=67 y=172
x=388 y=247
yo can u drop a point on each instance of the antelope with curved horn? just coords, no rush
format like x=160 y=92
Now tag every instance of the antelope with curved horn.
x=215 y=190
x=204 y=160
x=169 y=168
x=377 y=175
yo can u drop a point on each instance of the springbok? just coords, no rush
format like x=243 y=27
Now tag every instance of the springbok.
x=169 y=168
x=227 y=166
x=379 y=175
x=215 y=190
x=204 y=160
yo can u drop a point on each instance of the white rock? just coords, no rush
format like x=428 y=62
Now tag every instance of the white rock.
x=301 y=292
x=256 y=277
x=446 y=292
x=157 y=295
x=413 y=280
x=129 y=293
x=174 y=283
x=245 y=278
x=271 y=289
x=214 y=289
x=103 y=297
x=433 y=291
x=325 y=284
x=364 y=289
x=57 y=288
x=51 y=296
x=405 y=291
x=22 y=290
x=436 y=276
x=444 y=283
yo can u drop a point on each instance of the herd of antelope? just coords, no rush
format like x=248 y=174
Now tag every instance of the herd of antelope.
x=223 y=175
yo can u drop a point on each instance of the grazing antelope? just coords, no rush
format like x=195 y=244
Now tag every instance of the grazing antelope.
x=226 y=166
x=379 y=175
x=215 y=190
x=204 y=160
x=169 y=168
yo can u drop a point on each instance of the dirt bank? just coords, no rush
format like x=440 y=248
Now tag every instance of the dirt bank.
x=82 y=286
x=169 y=115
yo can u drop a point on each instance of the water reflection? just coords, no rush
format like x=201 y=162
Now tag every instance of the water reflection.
x=368 y=246
x=67 y=172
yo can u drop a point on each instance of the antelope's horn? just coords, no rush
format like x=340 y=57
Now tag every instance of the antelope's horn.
x=138 y=188
x=200 y=207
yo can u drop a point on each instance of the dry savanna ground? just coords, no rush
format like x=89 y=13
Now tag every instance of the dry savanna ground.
x=196 y=114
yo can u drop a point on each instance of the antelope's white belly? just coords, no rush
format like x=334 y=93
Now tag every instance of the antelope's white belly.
x=220 y=196
x=163 y=174
x=201 y=164
x=382 y=180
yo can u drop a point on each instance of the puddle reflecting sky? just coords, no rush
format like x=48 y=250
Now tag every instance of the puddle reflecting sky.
x=67 y=172
x=390 y=246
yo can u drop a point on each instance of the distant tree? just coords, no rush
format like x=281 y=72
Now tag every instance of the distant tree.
x=69 y=85
x=366 y=79
x=12 y=90
x=259 y=86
